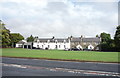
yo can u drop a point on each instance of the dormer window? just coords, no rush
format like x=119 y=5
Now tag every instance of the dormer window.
x=38 y=41
x=56 y=41
x=48 y=41
x=64 y=41
x=53 y=39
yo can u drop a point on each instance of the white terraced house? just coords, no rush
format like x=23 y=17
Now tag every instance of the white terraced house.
x=62 y=43
x=51 y=43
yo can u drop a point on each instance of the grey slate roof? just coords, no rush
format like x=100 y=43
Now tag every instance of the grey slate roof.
x=62 y=40
x=28 y=43
x=52 y=40
x=91 y=39
x=85 y=39
x=74 y=39
x=44 y=39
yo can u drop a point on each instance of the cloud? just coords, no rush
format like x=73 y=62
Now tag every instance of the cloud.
x=94 y=0
x=59 y=18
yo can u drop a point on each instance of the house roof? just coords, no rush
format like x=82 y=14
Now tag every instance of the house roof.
x=62 y=40
x=85 y=39
x=91 y=39
x=28 y=43
x=20 y=42
x=73 y=39
x=76 y=39
x=52 y=40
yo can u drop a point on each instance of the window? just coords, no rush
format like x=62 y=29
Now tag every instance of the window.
x=56 y=46
x=48 y=46
x=56 y=41
x=37 y=46
x=64 y=41
x=59 y=46
x=64 y=46
x=19 y=45
x=48 y=41
x=38 y=41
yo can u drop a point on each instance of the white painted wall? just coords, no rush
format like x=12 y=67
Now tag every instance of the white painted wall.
x=90 y=47
x=18 y=45
x=60 y=46
x=79 y=47
x=24 y=41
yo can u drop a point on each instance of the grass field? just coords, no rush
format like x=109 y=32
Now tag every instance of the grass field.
x=59 y=54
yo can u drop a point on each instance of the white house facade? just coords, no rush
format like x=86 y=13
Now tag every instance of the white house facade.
x=51 y=43
x=62 y=43
x=20 y=44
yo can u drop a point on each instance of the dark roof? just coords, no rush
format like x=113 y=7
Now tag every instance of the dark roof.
x=62 y=40
x=52 y=40
x=91 y=39
x=85 y=39
x=28 y=43
x=76 y=39
x=44 y=39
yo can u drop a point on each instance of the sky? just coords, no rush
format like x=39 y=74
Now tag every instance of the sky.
x=60 y=18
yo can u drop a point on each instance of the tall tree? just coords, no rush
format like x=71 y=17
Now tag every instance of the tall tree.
x=4 y=36
x=30 y=39
x=15 y=37
x=117 y=38
x=107 y=44
x=97 y=35
x=105 y=37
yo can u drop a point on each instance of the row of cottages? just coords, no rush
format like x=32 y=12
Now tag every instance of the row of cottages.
x=62 y=43
x=85 y=43
x=51 y=43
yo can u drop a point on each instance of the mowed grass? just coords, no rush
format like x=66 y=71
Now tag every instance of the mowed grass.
x=60 y=54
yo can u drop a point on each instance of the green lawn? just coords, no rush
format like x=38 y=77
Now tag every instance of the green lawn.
x=59 y=54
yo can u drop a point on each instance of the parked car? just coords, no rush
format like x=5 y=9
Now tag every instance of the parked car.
x=75 y=49
x=46 y=48
x=66 y=49
x=86 y=49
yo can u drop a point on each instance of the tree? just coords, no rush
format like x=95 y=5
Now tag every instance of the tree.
x=97 y=35
x=30 y=39
x=105 y=37
x=117 y=38
x=15 y=37
x=4 y=36
x=107 y=44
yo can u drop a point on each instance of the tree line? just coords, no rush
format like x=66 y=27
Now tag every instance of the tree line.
x=108 y=44
x=8 y=39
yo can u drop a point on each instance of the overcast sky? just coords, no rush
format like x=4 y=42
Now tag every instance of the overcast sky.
x=63 y=18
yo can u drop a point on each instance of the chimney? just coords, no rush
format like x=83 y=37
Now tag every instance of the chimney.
x=81 y=36
x=53 y=37
x=71 y=37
